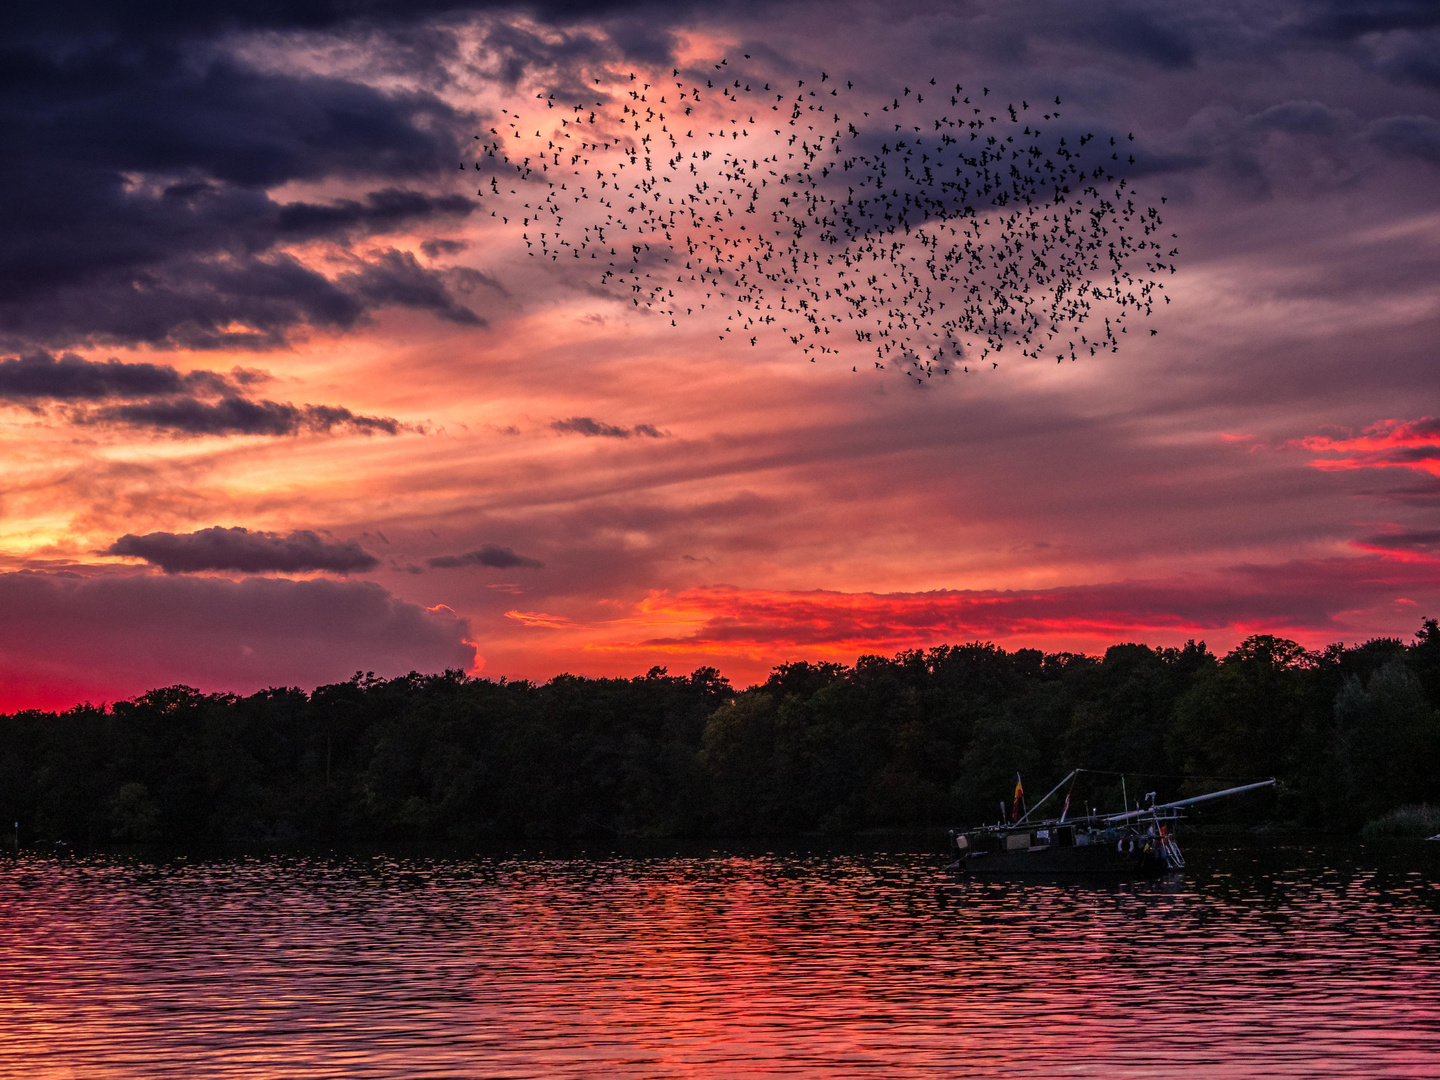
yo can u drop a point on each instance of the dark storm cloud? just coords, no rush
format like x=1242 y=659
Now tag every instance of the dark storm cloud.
x=142 y=148
x=1399 y=40
x=253 y=128
x=1349 y=19
x=396 y=278
x=491 y=555
x=515 y=50
x=590 y=427
x=143 y=19
x=381 y=211
x=1132 y=31
x=204 y=303
x=241 y=416
x=218 y=548
x=1408 y=136
x=1292 y=147
x=1414 y=58
x=41 y=376
x=136 y=207
x=160 y=397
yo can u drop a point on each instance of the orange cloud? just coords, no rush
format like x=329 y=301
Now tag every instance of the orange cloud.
x=1306 y=599
x=540 y=618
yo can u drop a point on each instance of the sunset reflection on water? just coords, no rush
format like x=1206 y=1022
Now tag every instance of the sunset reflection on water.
x=716 y=965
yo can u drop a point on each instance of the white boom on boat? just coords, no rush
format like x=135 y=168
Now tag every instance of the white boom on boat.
x=1187 y=802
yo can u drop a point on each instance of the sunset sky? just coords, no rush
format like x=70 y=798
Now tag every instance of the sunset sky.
x=246 y=287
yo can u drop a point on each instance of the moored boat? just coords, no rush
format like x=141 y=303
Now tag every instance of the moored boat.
x=1134 y=842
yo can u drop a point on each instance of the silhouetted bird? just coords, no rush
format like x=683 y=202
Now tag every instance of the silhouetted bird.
x=928 y=237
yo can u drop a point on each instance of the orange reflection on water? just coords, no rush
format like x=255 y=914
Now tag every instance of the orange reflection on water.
x=713 y=965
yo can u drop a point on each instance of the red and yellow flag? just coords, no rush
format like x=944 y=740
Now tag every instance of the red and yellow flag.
x=1019 y=794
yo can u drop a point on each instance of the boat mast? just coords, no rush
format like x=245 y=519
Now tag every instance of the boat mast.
x=1052 y=791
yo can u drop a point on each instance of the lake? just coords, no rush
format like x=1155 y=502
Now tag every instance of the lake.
x=1265 y=959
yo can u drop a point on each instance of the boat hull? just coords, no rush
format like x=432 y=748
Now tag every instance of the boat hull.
x=1092 y=859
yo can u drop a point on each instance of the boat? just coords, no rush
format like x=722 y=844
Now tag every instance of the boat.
x=1137 y=841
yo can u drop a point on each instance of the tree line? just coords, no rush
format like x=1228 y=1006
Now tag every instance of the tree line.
x=925 y=738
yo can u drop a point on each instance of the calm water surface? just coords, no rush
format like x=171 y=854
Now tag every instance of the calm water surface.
x=1306 y=961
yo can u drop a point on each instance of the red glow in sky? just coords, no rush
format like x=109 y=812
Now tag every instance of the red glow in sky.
x=280 y=401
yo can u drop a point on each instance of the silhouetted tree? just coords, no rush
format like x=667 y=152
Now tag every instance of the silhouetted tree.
x=923 y=738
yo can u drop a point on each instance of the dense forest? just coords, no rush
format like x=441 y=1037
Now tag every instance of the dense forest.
x=921 y=739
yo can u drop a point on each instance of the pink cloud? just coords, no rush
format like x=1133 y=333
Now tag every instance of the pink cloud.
x=1415 y=544
x=1404 y=444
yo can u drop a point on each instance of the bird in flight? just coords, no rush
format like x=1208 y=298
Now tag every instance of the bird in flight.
x=917 y=227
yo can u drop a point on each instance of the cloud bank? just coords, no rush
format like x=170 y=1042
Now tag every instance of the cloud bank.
x=249 y=552
x=158 y=397
x=66 y=638
x=138 y=209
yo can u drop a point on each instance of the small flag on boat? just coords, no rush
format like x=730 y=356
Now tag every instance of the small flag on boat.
x=1066 y=810
x=1019 y=794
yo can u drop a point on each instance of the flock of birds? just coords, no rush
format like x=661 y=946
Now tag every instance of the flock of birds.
x=932 y=229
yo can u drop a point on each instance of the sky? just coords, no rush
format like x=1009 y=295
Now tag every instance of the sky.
x=280 y=401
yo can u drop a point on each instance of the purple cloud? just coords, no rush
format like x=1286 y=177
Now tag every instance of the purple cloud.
x=492 y=555
x=590 y=428
x=66 y=637
x=240 y=549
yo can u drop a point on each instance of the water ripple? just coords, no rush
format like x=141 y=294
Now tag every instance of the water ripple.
x=1298 y=964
